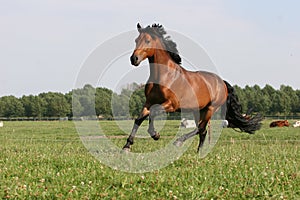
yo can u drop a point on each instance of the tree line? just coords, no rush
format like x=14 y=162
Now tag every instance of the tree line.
x=104 y=103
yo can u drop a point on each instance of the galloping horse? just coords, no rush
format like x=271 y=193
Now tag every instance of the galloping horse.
x=175 y=89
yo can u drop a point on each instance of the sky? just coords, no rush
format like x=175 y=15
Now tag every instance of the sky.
x=44 y=44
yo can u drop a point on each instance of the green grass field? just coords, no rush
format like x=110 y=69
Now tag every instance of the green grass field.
x=47 y=160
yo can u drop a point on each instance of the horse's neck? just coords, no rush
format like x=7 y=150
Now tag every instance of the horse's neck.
x=162 y=67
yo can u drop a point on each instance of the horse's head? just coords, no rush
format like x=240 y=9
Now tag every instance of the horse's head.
x=286 y=123
x=146 y=43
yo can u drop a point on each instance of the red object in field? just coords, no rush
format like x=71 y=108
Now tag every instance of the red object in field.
x=280 y=123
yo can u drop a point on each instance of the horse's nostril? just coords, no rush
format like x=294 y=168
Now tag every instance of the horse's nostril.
x=133 y=59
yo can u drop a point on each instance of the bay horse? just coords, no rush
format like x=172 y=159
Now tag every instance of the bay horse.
x=279 y=123
x=175 y=89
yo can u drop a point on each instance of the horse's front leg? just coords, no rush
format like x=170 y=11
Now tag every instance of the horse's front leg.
x=143 y=115
x=154 y=111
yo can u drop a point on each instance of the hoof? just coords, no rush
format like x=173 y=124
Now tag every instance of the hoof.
x=178 y=143
x=156 y=136
x=125 y=150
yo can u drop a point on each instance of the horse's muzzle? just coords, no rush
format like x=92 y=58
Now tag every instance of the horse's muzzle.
x=134 y=60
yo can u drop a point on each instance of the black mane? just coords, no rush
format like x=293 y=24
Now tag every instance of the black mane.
x=171 y=47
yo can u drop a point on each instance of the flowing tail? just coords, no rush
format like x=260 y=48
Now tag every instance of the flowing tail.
x=235 y=117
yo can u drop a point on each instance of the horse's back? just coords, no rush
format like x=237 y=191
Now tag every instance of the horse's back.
x=216 y=86
x=207 y=87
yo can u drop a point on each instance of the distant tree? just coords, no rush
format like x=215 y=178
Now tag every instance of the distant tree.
x=281 y=103
x=103 y=102
x=120 y=105
x=251 y=96
x=268 y=92
x=33 y=106
x=261 y=101
x=242 y=97
x=77 y=108
x=134 y=97
x=55 y=104
x=90 y=101
x=84 y=101
x=87 y=100
x=11 y=106
x=297 y=107
x=68 y=97
x=126 y=92
x=294 y=100
x=136 y=102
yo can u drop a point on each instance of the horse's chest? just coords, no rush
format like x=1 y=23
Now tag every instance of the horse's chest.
x=157 y=94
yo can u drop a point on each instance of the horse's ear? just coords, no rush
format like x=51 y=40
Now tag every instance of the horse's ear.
x=138 y=27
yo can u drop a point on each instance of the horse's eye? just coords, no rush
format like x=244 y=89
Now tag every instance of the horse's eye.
x=147 y=41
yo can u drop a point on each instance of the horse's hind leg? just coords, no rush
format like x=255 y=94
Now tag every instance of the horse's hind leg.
x=209 y=131
x=202 y=134
x=201 y=139
x=205 y=116
x=183 y=138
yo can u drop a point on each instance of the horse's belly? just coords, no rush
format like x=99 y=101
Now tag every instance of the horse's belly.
x=193 y=103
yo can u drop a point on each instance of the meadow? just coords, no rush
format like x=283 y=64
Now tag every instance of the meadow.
x=47 y=160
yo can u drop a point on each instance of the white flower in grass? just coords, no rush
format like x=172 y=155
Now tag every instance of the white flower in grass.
x=281 y=173
x=265 y=174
